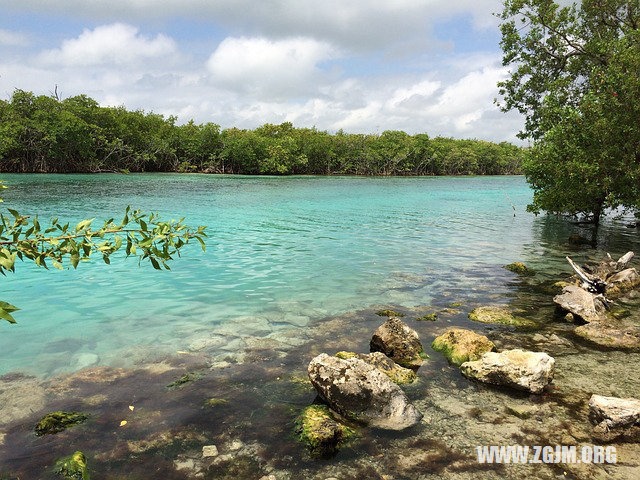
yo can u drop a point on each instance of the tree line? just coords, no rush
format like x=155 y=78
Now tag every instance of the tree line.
x=45 y=134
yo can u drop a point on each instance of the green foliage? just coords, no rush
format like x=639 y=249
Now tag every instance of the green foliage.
x=43 y=134
x=576 y=79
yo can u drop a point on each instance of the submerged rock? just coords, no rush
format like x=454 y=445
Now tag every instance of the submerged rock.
x=391 y=369
x=399 y=342
x=429 y=317
x=55 y=422
x=209 y=451
x=622 y=282
x=460 y=345
x=320 y=431
x=604 y=335
x=361 y=392
x=581 y=303
x=73 y=467
x=523 y=370
x=502 y=315
x=389 y=313
x=614 y=418
x=519 y=268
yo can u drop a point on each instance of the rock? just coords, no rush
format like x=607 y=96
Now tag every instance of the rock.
x=85 y=360
x=320 y=431
x=391 y=369
x=614 y=417
x=502 y=315
x=73 y=467
x=236 y=445
x=397 y=341
x=622 y=282
x=625 y=338
x=460 y=345
x=389 y=313
x=580 y=303
x=361 y=392
x=20 y=396
x=519 y=268
x=429 y=317
x=209 y=451
x=530 y=371
x=55 y=422
x=2 y=437
x=578 y=240
x=214 y=402
x=520 y=411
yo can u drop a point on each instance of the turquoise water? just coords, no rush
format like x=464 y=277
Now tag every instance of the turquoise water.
x=281 y=252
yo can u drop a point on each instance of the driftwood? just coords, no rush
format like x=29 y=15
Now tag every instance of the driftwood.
x=624 y=260
x=591 y=283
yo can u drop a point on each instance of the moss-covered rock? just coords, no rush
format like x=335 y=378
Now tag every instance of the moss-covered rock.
x=184 y=379
x=214 y=402
x=318 y=428
x=519 y=268
x=622 y=282
x=55 y=422
x=608 y=336
x=389 y=313
x=396 y=373
x=501 y=315
x=399 y=342
x=429 y=317
x=460 y=345
x=73 y=467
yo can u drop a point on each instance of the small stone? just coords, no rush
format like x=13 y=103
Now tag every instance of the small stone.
x=569 y=318
x=429 y=317
x=209 y=451
x=236 y=445
x=520 y=411
x=519 y=268
x=2 y=437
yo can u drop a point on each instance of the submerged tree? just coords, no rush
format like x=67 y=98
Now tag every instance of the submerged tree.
x=145 y=236
x=576 y=80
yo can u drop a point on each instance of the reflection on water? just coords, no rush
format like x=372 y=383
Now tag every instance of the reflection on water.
x=295 y=267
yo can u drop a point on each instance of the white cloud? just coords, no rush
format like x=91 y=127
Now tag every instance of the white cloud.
x=269 y=67
x=115 y=44
x=12 y=39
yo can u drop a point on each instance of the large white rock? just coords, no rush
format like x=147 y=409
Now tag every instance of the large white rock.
x=530 y=371
x=581 y=303
x=614 y=417
x=361 y=392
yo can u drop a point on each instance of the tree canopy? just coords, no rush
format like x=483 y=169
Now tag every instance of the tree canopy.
x=575 y=76
x=44 y=134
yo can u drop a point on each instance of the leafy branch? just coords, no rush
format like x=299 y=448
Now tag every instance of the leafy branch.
x=145 y=236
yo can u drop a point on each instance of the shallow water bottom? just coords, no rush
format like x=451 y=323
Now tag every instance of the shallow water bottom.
x=260 y=386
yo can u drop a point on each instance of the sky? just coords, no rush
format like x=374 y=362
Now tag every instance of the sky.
x=363 y=66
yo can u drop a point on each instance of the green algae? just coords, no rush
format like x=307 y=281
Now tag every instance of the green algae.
x=499 y=315
x=396 y=373
x=214 y=402
x=519 y=268
x=73 y=467
x=429 y=317
x=389 y=313
x=184 y=379
x=56 y=422
x=318 y=428
x=460 y=345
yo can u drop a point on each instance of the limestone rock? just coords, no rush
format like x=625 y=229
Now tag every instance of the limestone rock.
x=73 y=467
x=622 y=282
x=581 y=303
x=496 y=314
x=530 y=371
x=624 y=338
x=519 y=268
x=320 y=431
x=361 y=392
x=614 y=417
x=399 y=342
x=391 y=369
x=209 y=451
x=460 y=345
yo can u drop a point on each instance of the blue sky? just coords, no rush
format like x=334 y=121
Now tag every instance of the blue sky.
x=363 y=66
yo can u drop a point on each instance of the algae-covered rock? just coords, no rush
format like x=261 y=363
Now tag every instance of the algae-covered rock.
x=460 y=345
x=609 y=336
x=55 y=422
x=184 y=379
x=396 y=373
x=501 y=315
x=318 y=428
x=361 y=392
x=429 y=317
x=214 y=402
x=614 y=418
x=519 y=268
x=580 y=303
x=622 y=282
x=73 y=467
x=399 y=342
x=389 y=313
x=531 y=371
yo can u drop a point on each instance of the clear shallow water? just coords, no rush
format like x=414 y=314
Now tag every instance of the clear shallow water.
x=281 y=252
